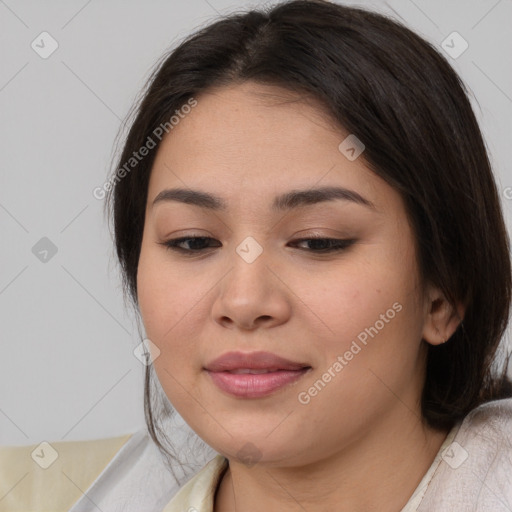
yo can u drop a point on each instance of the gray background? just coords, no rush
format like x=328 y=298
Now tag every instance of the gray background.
x=67 y=369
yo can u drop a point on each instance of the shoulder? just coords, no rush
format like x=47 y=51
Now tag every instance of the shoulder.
x=475 y=472
x=49 y=475
x=497 y=413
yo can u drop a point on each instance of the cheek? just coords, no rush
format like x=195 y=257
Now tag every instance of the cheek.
x=175 y=307
x=368 y=308
x=164 y=314
x=367 y=340
x=165 y=298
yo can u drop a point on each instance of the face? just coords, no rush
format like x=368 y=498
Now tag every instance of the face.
x=254 y=276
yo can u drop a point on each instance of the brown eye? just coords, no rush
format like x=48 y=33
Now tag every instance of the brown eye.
x=197 y=245
x=325 y=245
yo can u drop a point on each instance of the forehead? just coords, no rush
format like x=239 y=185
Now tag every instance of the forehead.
x=248 y=143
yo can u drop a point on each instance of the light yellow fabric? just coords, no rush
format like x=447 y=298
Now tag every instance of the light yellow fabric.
x=26 y=487
x=197 y=494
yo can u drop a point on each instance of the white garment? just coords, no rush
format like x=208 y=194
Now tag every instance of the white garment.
x=137 y=479
x=471 y=472
x=476 y=471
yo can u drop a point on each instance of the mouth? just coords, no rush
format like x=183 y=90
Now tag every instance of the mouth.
x=254 y=371
x=241 y=361
x=255 y=383
x=254 y=374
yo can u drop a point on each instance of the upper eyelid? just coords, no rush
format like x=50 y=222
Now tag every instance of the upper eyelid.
x=303 y=237
x=182 y=239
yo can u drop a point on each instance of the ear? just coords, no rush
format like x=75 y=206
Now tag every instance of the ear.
x=441 y=319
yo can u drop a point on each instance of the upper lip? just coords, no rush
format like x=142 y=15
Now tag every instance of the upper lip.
x=252 y=360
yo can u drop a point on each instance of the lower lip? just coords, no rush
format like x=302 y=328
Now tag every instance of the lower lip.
x=252 y=385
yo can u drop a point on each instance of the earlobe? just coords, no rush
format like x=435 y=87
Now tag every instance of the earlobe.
x=442 y=319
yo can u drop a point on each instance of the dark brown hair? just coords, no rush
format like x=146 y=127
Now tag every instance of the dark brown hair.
x=401 y=98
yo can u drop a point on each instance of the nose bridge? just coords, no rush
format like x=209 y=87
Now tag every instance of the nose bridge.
x=250 y=290
x=250 y=274
x=249 y=250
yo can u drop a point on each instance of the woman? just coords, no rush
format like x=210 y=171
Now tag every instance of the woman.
x=307 y=221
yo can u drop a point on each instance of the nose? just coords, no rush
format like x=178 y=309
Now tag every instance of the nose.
x=251 y=295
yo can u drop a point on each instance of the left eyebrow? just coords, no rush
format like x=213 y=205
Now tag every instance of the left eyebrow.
x=286 y=201
x=297 y=198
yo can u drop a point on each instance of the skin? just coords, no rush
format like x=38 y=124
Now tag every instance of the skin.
x=247 y=143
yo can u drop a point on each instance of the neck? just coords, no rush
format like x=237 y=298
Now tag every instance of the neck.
x=378 y=471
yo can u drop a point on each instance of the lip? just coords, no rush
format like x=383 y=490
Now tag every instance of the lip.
x=255 y=385
x=252 y=360
x=280 y=373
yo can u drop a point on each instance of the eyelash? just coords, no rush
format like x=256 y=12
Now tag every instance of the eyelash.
x=339 y=245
